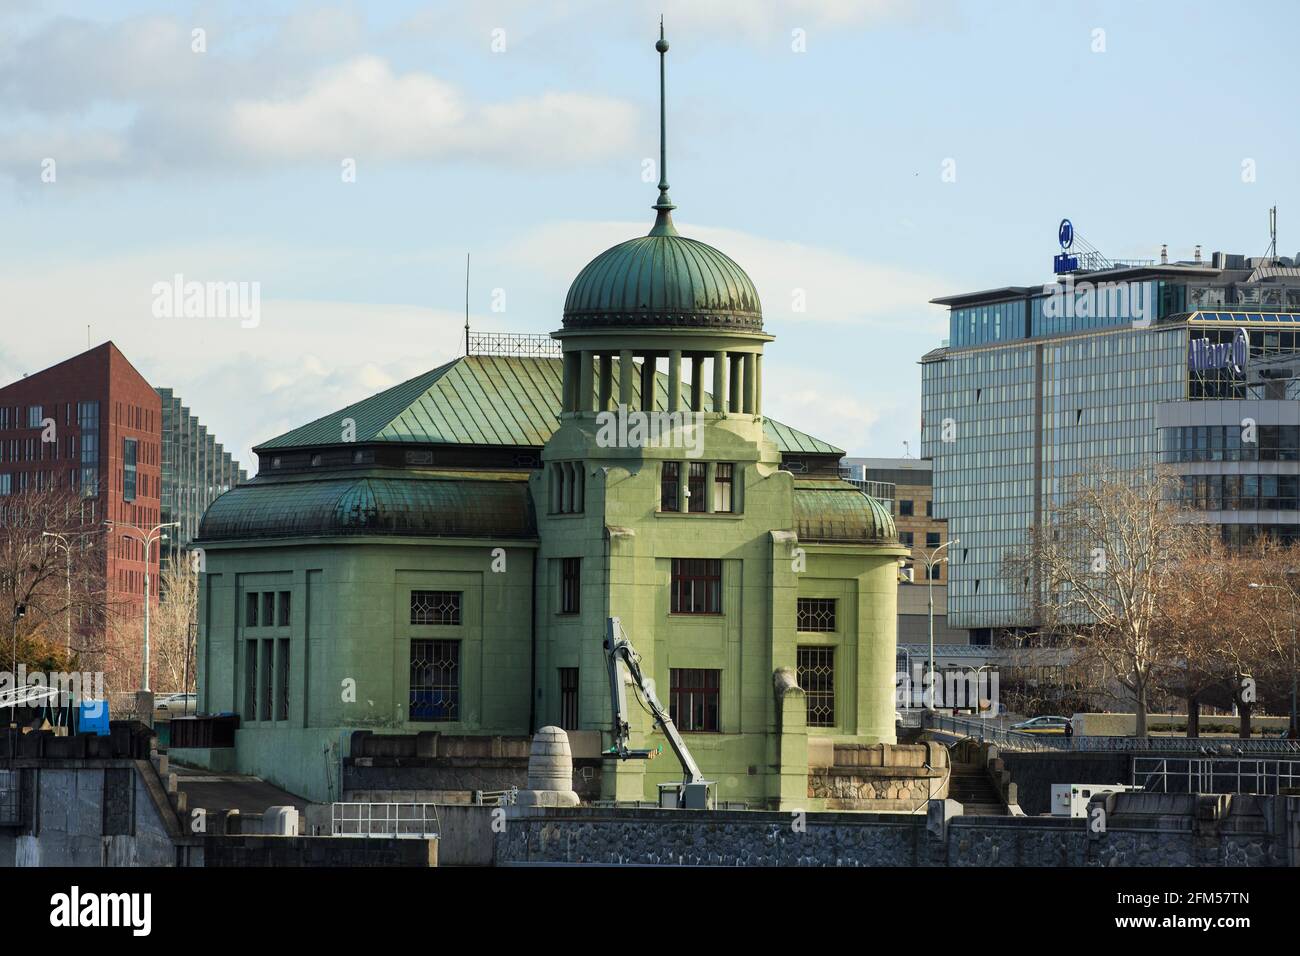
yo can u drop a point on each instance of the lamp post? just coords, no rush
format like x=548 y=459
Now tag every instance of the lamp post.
x=62 y=542
x=1294 y=730
x=931 y=560
x=147 y=538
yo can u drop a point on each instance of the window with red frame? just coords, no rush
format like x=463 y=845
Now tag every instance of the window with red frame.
x=693 y=699
x=696 y=586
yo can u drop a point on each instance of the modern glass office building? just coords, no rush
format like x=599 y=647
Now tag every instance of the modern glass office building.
x=1125 y=365
x=196 y=470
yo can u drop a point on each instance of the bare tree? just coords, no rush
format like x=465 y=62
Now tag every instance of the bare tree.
x=1094 y=571
x=52 y=584
x=1210 y=616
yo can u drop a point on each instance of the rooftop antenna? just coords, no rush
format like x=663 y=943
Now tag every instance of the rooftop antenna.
x=467 y=304
x=907 y=450
x=1272 y=232
x=664 y=207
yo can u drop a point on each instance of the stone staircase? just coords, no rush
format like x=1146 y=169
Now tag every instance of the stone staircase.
x=971 y=786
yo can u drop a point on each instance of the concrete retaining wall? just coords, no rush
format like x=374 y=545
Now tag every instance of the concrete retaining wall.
x=1257 y=831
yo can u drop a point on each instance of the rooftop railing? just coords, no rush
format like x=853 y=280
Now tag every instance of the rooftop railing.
x=523 y=344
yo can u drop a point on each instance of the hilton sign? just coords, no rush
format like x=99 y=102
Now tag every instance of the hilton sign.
x=1204 y=355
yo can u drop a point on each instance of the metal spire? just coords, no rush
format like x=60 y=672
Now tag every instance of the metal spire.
x=664 y=207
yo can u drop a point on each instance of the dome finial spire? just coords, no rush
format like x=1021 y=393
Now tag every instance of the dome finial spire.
x=664 y=207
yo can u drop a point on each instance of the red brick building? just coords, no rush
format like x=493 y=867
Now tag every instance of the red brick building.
x=94 y=424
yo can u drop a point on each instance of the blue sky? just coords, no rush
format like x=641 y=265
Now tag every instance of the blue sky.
x=819 y=171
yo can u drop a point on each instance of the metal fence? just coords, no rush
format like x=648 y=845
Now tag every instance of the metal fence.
x=413 y=820
x=1015 y=740
x=1215 y=774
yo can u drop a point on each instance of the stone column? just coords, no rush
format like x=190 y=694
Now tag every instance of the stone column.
x=675 y=380
x=720 y=382
x=585 y=385
x=606 y=381
x=697 y=382
x=750 y=391
x=648 y=382
x=625 y=370
x=735 y=399
x=569 y=389
x=758 y=384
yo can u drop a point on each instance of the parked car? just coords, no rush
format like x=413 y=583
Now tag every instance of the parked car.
x=167 y=706
x=1042 y=725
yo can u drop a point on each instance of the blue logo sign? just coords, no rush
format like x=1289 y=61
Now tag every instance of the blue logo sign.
x=1064 y=263
x=1065 y=233
x=1204 y=355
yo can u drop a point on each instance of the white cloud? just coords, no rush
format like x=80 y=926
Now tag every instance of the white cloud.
x=130 y=98
x=363 y=108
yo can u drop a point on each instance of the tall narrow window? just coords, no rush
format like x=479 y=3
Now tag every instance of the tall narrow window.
x=816 y=674
x=570 y=585
x=695 y=486
x=693 y=699
x=250 y=680
x=282 y=610
x=282 y=672
x=670 y=478
x=250 y=609
x=568 y=698
x=435 y=680
x=696 y=586
x=435 y=607
x=129 y=450
x=268 y=609
x=267 y=679
x=722 y=493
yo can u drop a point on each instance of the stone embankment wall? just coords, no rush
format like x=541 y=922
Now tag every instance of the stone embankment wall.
x=1139 y=830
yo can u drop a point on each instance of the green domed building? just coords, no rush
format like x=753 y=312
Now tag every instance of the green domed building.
x=443 y=556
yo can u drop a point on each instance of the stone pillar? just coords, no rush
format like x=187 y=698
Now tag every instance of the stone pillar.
x=735 y=399
x=749 y=384
x=606 y=381
x=648 y=382
x=758 y=384
x=675 y=380
x=697 y=382
x=569 y=389
x=585 y=385
x=720 y=382
x=625 y=370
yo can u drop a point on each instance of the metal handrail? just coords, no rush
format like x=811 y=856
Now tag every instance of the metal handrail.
x=1205 y=774
x=403 y=820
x=1015 y=740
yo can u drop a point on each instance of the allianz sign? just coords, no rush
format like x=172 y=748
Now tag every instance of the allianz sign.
x=1204 y=355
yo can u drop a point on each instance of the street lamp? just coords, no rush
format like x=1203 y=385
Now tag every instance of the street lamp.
x=61 y=541
x=1294 y=731
x=931 y=560
x=148 y=538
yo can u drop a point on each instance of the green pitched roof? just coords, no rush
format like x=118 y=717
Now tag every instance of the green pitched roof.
x=484 y=400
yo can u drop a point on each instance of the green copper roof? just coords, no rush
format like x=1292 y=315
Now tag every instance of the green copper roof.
x=663 y=280
x=484 y=400
x=427 y=503
x=835 y=511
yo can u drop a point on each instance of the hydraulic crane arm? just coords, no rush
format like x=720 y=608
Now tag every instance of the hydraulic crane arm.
x=618 y=649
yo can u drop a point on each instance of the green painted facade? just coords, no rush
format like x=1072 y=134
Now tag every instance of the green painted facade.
x=486 y=477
